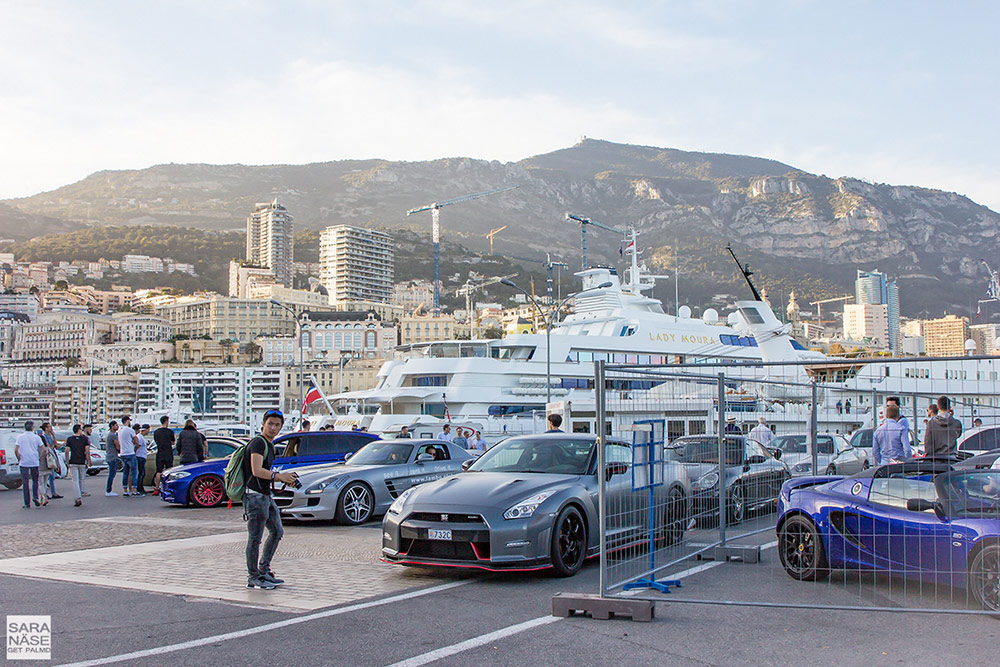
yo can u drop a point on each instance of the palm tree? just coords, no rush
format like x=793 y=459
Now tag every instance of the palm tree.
x=253 y=351
x=71 y=362
x=123 y=364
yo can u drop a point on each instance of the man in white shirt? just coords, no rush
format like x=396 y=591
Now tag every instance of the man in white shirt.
x=445 y=434
x=761 y=433
x=26 y=449
x=127 y=442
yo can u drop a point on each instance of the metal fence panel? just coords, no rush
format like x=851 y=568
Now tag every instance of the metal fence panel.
x=757 y=484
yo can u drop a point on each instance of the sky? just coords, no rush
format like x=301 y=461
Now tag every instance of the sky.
x=894 y=92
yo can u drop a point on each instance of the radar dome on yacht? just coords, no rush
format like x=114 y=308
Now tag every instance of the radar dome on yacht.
x=733 y=319
x=710 y=316
x=684 y=312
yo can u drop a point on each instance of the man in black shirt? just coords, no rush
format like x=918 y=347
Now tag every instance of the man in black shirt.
x=164 y=439
x=77 y=458
x=259 y=509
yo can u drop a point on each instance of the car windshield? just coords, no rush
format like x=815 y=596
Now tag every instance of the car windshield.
x=705 y=450
x=382 y=452
x=790 y=444
x=972 y=493
x=537 y=454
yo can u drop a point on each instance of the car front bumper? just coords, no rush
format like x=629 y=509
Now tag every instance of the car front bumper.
x=174 y=491
x=477 y=541
x=293 y=504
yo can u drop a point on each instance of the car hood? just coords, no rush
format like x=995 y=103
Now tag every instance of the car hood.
x=309 y=473
x=496 y=489
x=208 y=465
x=795 y=459
x=696 y=470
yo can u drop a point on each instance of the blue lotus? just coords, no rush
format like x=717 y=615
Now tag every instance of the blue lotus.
x=201 y=484
x=918 y=519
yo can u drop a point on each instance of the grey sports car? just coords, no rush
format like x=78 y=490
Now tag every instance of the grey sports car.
x=530 y=503
x=353 y=492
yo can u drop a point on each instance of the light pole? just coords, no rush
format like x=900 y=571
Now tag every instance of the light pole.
x=298 y=334
x=548 y=327
x=343 y=361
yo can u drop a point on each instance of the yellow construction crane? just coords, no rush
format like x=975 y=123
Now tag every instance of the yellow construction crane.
x=494 y=232
x=819 y=306
x=471 y=286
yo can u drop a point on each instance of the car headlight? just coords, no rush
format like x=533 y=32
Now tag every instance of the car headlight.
x=706 y=481
x=527 y=507
x=803 y=467
x=321 y=485
x=180 y=474
x=397 y=505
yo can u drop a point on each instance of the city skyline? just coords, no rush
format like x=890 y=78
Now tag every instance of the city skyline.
x=892 y=93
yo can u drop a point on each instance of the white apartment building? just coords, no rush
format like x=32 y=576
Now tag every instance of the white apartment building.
x=329 y=336
x=231 y=394
x=141 y=328
x=240 y=273
x=413 y=294
x=867 y=322
x=271 y=240
x=82 y=398
x=287 y=295
x=356 y=264
x=60 y=335
x=141 y=264
x=26 y=304
x=429 y=329
x=220 y=317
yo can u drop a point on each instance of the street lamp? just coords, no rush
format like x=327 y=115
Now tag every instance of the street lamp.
x=548 y=327
x=298 y=334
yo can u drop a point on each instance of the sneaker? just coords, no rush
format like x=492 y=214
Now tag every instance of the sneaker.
x=77 y=503
x=55 y=496
x=270 y=578
x=109 y=494
x=156 y=492
x=126 y=493
x=257 y=582
x=139 y=493
x=85 y=494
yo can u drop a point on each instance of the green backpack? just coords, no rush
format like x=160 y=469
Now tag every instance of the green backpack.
x=234 y=479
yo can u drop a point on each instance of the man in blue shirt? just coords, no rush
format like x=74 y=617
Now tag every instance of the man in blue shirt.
x=891 y=441
x=903 y=421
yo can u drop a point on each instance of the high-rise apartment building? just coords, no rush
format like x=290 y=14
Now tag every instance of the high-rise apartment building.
x=867 y=322
x=946 y=337
x=874 y=287
x=356 y=265
x=270 y=240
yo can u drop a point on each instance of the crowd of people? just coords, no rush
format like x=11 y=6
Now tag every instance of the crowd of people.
x=126 y=450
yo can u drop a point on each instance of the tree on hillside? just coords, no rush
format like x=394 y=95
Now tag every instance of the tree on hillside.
x=253 y=351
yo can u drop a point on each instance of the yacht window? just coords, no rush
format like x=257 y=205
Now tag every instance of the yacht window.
x=751 y=315
x=430 y=381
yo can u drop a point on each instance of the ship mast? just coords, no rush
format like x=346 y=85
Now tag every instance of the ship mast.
x=745 y=270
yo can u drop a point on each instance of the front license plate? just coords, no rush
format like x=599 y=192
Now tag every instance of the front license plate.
x=433 y=534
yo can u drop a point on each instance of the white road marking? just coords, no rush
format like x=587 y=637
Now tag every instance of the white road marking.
x=432 y=656
x=437 y=654
x=696 y=569
x=195 y=643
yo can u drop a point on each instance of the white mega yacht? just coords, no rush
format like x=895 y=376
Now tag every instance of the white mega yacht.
x=499 y=387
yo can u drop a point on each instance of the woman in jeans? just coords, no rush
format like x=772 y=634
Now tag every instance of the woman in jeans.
x=49 y=474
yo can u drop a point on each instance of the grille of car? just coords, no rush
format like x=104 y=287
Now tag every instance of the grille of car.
x=283 y=498
x=449 y=550
x=446 y=518
x=391 y=486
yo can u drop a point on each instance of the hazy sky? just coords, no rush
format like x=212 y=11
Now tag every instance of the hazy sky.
x=898 y=92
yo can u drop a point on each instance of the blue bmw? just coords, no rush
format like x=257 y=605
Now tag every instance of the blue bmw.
x=919 y=519
x=201 y=484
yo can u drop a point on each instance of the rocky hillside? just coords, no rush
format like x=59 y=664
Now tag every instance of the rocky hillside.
x=799 y=230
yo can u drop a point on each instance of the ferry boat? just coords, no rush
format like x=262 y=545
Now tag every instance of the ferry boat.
x=499 y=387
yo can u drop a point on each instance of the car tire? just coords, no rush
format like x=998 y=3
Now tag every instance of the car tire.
x=13 y=485
x=674 y=519
x=831 y=470
x=984 y=577
x=736 y=505
x=569 y=542
x=207 y=491
x=355 y=505
x=800 y=549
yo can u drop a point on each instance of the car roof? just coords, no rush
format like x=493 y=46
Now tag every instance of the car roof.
x=976 y=430
x=315 y=434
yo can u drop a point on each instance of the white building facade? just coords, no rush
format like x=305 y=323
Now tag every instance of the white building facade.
x=356 y=264
x=271 y=240
x=231 y=394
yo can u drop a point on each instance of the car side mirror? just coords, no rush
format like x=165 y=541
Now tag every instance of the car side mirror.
x=467 y=463
x=349 y=455
x=776 y=453
x=612 y=469
x=756 y=459
x=421 y=458
x=922 y=505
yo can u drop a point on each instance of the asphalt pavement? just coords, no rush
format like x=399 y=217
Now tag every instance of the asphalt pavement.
x=448 y=618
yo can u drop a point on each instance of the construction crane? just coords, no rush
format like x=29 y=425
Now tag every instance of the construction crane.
x=993 y=289
x=547 y=263
x=819 y=306
x=435 y=209
x=583 y=233
x=471 y=286
x=494 y=232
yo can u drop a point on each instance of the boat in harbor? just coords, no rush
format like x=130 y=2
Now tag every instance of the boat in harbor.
x=500 y=387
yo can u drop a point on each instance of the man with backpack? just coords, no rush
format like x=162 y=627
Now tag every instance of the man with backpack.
x=259 y=509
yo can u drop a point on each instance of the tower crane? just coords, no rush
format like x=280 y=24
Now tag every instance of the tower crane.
x=468 y=289
x=819 y=305
x=492 y=233
x=548 y=263
x=993 y=289
x=583 y=233
x=435 y=209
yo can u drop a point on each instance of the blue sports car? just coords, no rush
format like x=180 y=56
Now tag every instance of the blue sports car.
x=200 y=484
x=920 y=519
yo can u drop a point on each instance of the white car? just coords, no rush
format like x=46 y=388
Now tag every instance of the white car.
x=10 y=472
x=835 y=456
x=979 y=440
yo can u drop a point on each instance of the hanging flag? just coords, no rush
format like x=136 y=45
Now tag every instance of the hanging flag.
x=447 y=413
x=630 y=248
x=312 y=396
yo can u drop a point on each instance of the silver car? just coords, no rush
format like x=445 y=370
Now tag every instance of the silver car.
x=530 y=503
x=351 y=493
x=834 y=455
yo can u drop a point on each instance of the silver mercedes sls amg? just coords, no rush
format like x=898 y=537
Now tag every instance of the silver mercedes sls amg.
x=530 y=503
x=372 y=478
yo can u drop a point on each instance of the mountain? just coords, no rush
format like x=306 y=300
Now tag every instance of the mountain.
x=800 y=231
